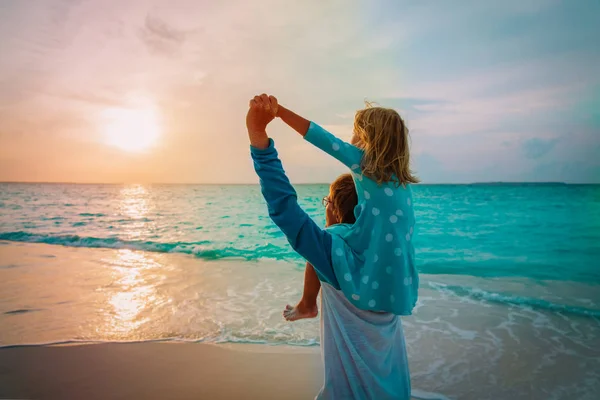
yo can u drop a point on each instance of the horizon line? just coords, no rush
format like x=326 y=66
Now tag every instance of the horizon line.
x=294 y=183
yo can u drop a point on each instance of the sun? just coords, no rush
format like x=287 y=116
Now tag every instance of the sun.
x=131 y=129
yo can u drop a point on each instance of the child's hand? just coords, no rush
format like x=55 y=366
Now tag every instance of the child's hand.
x=263 y=110
x=269 y=102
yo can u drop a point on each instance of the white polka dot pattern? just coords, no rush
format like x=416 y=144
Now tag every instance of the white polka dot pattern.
x=380 y=275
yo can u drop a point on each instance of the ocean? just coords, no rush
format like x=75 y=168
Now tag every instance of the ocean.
x=510 y=276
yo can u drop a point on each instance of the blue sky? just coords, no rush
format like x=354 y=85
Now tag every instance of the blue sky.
x=490 y=90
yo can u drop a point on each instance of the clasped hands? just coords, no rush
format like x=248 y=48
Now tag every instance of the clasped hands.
x=263 y=109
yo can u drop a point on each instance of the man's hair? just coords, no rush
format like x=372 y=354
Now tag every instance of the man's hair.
x=343 y=198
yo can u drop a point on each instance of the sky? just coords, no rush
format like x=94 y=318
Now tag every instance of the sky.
x=157 y=91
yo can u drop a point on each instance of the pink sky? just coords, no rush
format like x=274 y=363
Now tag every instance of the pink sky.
x=156 y=91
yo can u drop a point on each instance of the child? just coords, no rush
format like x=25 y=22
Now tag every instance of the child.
x=373 y=259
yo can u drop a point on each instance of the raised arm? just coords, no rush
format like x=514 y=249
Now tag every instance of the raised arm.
x=296 y=122
x=304 y=235
x=313 y=133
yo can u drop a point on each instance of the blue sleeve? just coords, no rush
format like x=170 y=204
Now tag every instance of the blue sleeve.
x=305 y=236
x=349 y=155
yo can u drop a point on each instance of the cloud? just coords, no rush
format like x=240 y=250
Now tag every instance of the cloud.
x=536 y=147
x=159 y=37
x=99 y=97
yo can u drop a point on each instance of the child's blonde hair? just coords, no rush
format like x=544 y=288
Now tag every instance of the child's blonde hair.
x=384 y=139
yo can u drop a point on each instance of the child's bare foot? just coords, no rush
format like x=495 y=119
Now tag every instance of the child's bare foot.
x=301 y=311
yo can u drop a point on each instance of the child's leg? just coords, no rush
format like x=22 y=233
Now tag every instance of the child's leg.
x=307 y=307
x=312 y=285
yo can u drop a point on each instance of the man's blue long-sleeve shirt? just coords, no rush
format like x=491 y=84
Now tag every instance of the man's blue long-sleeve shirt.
x=304 y=235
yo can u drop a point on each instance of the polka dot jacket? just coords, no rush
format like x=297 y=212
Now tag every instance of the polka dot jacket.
x=374 y=258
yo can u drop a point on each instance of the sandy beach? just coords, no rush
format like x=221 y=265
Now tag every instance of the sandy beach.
x=159 y=371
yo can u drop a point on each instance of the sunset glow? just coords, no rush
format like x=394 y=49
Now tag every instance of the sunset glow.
x=157 y=91
x=132 y=130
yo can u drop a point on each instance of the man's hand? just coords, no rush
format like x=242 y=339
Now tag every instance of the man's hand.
x=263 y=110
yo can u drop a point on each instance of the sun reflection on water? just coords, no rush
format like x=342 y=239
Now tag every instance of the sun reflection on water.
x=135 y=205
x=133 y=293
x=134 y=201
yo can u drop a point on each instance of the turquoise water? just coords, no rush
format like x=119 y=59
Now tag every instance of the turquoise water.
x=509 y=294
x=539 y=232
